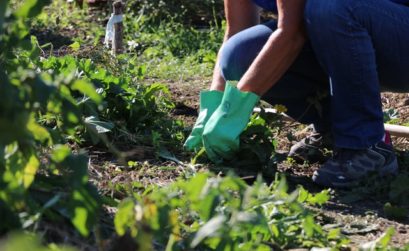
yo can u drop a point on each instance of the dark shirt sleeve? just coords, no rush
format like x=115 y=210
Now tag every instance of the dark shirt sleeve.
x=269 y=5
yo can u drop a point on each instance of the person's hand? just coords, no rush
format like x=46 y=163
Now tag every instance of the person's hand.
x=221 y=135
x=209 y=101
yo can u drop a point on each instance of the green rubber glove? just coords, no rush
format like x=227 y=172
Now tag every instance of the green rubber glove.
x=209 y=101
x=221 y=135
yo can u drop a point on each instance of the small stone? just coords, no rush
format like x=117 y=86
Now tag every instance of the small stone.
x=402 y=230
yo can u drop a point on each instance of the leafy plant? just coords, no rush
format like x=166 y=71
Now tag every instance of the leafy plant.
x=126 y=108
x=189 y=12
x=32 y=154
x=50 y=102
x=391 y=116
x=20 y=241
x=213 y=213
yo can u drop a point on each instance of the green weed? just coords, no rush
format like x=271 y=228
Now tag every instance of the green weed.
x=213 y=213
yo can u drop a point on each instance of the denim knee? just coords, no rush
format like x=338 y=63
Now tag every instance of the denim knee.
x=231 y=61
x=239 y=51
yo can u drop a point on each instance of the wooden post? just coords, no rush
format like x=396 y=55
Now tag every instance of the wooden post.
x=117 y=43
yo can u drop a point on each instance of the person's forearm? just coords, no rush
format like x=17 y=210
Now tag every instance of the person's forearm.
x=218 y=82
x=275 y=58
x=240 y=15
x=280 y=51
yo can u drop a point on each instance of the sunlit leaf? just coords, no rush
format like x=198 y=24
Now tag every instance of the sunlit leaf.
x=40 y=133
x=31 y=8
x=30 y=170
x=208 y=204
x=60 y=153
x=80 y=220
x=75 y=46
x=308 y=225
x=124 y=216
x=84 y=209
x=319 y=198
x=195 y=186
x=26 y=241
x=86 y=88
x=209 y=229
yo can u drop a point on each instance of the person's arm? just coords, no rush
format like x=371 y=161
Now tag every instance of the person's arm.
x=280 y=51
x=240 y=14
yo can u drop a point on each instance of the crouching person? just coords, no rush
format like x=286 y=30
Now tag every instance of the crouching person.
x=351 y=49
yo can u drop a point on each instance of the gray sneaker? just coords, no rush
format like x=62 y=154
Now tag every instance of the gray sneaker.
x=312 y=148
x=348 y=167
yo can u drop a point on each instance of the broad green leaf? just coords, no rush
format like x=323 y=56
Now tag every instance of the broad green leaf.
x=39 y=132
x=78 y=164
x=41 y=91
x=72 y=117
x=165 y=154
x=319 y=198
x=75 y=46
x=195 y=185
x=86 y=88
x=84 y=209
x=154 y=89
x=334 y=234
x=60 y=153
x=302 y=194
x=80 y=220
x=99 y=126
x=308 y=225
x=31 y=8
x=209 y=229
x=21 y=31
x=24 y=241
x=125 y=216
x=208 y=204
x=30 y=170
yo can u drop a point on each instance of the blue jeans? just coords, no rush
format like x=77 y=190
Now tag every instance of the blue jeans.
x=356 y=49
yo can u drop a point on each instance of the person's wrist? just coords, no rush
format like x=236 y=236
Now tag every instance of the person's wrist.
x=244 y=87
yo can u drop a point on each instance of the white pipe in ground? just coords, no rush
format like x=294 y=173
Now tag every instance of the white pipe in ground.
x=395 y=130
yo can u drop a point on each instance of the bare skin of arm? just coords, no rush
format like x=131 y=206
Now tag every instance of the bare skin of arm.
x=240 y=15
x=277 y=55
